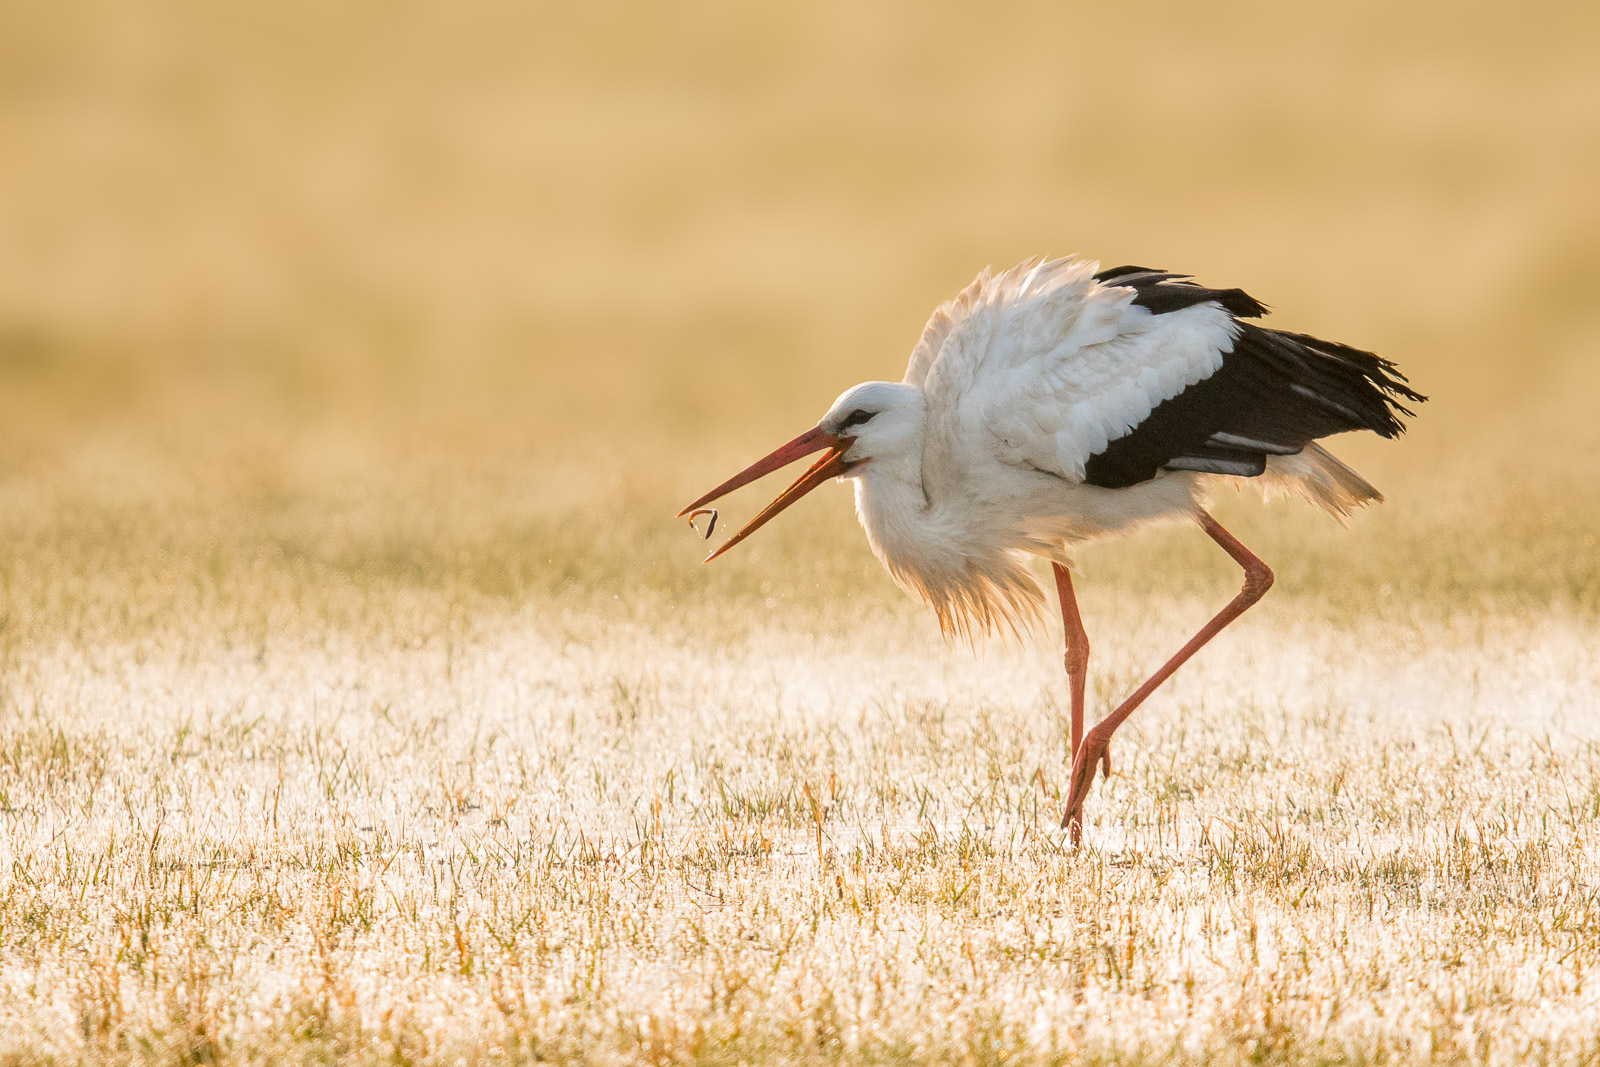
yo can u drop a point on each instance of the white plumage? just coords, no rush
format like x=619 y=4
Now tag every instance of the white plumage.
x=1051 y=404
x=1054 y=365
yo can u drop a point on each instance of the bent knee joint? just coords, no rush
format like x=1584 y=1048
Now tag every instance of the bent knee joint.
x=1257 y=580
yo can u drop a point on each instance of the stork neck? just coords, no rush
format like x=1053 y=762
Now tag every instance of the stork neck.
x=892 y=503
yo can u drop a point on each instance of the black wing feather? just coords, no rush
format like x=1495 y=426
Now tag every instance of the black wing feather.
x=1162 y=291
x=1275 y=393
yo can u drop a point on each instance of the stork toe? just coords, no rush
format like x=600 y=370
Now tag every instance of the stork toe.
x=1095 y=754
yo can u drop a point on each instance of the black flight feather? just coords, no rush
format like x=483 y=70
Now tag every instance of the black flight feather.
x=1162 y=291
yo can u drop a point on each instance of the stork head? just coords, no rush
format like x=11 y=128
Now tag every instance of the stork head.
x=877 y=419
x=872 y=421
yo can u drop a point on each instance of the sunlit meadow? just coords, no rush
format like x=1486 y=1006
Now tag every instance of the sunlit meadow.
x=361 y=701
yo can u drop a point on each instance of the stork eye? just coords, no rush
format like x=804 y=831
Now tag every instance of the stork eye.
x=855 y=418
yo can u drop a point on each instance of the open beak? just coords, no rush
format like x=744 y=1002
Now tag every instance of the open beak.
x=828 y=466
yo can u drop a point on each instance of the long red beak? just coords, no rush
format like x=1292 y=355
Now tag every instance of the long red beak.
x=827 y=467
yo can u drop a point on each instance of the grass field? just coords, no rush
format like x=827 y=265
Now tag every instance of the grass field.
x=360 y=701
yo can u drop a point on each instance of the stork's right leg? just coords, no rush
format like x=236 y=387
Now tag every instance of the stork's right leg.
x=1077 y=661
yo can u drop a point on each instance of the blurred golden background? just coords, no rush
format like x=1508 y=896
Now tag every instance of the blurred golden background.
x=345 y=280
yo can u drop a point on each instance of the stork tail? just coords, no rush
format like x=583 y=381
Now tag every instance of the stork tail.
x=1324 y=479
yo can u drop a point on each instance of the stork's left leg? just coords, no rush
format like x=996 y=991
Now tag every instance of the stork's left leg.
x=1077 y=663
x=1096 y=746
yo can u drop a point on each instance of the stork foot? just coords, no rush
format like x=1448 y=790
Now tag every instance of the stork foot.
x=1095 y=754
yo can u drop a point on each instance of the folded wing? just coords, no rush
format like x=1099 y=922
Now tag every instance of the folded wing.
x=1110 y=378
x=1274 y=393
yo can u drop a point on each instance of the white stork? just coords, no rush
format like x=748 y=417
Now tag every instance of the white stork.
x=1049 y=405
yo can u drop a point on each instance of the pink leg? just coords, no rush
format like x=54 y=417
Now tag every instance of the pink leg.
x=1077 y=661
x=1096 y=746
